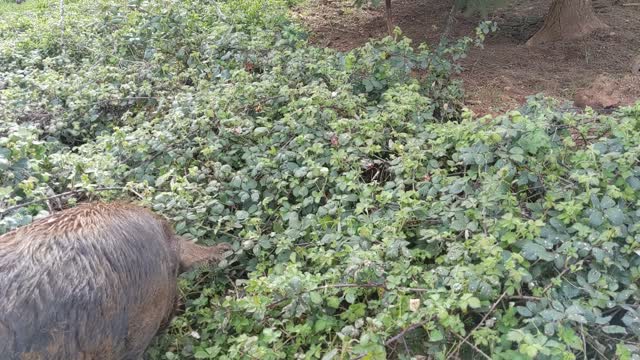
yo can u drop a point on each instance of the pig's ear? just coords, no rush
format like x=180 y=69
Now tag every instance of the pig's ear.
x=192 y=255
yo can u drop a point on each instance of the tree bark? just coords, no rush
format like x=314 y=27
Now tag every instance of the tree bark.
x=567 y=20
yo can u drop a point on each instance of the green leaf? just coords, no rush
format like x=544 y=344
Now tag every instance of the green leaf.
x=569 y=336
x=596 y=218
x=551 y=315
x=201 y=354
x=436 y=335
x=615 y=215
x=333 y=302
x=634 y=182
x=524 y=311
x=593 y=276
x=515 y=336
x=315 y=297
x=242 y=215
x=458 y=186
x=4 y=164
x=549 y=329
x=330 y=354
x=607 y=202
x=260 y=131
x=533 y=251
x=614 y=329
x=474 y=302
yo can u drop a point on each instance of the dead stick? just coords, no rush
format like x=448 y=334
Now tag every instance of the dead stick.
x=343 y=286
x=486 y=316
x=473 y=346
x=400 y=335
x=551 y=283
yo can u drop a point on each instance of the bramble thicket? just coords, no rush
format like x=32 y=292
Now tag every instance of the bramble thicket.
x=373 y=215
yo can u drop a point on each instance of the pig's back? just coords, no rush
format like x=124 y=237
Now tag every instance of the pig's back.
x=93 y=282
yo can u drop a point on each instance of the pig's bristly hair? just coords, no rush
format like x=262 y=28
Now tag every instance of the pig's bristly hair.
x=95 y=281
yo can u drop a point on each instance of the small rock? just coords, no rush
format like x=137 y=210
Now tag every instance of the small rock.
x=414 y=304
x=603 y=93
x=635 y=65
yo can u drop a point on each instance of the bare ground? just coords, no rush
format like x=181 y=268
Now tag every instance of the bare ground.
x=594 y=71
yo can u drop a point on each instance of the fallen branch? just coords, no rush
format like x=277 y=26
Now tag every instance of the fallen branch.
x=331 y=286
x=526 y=298
x=400 y=335
x=473 y=346
x=550 y=285
x=345 y=285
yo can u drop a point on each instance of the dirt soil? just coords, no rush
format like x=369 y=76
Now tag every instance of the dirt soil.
x=594 y=71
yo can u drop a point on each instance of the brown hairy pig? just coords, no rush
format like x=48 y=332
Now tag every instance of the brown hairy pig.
x=97 y=281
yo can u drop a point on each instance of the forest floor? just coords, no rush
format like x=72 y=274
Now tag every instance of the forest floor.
x=594 y=71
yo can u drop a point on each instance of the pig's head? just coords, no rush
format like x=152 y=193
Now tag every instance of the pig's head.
x=193 y=255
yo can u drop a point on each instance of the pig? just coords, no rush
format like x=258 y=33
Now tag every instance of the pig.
x=94 y=282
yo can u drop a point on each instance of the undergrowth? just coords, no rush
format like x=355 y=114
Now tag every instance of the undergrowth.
x=373 y=216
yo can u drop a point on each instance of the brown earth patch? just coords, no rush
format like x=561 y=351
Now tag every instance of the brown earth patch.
x=505 y=72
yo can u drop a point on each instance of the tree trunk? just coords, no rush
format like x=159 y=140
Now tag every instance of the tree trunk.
x=567 y=20
x=387 y=6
